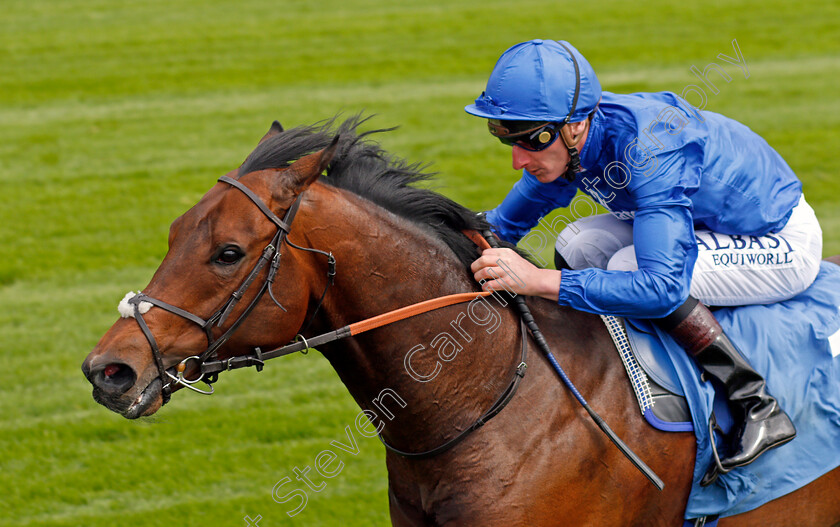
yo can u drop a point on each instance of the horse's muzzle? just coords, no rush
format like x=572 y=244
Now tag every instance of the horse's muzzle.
x=114 y=386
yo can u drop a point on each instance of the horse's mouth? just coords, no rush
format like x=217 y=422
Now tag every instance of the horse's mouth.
x=148 y=402
x=135 y=402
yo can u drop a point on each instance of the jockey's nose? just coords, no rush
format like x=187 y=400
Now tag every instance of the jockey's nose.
x=520 y=157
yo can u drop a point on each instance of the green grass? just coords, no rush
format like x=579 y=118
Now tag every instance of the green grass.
x=115 y=117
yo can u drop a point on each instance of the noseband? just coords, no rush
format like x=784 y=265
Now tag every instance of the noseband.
x=271 y=257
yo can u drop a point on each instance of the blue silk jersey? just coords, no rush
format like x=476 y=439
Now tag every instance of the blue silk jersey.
x=657 y=162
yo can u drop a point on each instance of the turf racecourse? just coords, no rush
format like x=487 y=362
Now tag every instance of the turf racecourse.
x=116 y=117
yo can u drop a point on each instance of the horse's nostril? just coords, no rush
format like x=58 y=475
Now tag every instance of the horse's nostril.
x=114 y=379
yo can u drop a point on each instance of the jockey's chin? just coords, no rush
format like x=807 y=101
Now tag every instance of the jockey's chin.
x=549 y=177
x=546 y=176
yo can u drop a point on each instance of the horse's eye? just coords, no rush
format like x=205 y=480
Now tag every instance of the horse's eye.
x=229 y=256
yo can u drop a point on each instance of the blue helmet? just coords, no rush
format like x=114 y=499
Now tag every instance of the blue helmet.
x=539 y=80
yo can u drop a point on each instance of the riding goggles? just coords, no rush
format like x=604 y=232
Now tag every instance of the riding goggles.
x=530 y=135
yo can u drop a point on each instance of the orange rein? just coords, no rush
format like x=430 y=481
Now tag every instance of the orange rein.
x=413 y=310
x=212 y=367
x=425 y=306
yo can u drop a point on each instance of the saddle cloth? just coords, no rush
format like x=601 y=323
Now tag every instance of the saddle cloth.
x=794 y=345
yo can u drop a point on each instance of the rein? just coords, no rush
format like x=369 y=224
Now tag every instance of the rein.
x=351 y=330
x=210 y=369
x=528 y=319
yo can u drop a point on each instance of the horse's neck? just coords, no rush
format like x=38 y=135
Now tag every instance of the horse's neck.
x=385 y=263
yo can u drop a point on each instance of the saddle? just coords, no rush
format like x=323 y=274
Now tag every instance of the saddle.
x=793 y=345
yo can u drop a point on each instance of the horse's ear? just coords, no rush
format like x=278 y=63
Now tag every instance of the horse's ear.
x=275 y=129
x=306 y=170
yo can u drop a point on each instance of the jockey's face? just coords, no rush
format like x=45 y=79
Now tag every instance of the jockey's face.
x=549 y=164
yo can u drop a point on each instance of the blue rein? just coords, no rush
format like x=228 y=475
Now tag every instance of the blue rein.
x=528 y=318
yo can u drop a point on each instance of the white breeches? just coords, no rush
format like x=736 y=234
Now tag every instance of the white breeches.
x=731 y=270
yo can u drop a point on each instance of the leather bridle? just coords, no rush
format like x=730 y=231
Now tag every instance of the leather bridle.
x=270 y=256
x=209 y=369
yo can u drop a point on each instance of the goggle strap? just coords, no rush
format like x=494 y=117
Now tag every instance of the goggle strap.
x=504 y=133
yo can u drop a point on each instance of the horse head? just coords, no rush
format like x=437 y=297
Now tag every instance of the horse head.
x=224 y=254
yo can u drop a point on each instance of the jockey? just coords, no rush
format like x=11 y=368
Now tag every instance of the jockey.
x=702 y=212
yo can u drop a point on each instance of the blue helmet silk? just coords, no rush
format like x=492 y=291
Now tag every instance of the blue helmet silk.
x=536 y=81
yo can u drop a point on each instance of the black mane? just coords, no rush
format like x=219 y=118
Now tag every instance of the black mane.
x=362 y=167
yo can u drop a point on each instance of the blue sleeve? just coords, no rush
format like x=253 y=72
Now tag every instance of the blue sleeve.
x=527 y=202
x=666 y=250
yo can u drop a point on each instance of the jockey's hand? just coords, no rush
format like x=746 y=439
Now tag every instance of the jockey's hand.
x=505 y=269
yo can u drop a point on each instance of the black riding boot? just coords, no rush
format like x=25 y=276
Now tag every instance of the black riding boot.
x=761 y=424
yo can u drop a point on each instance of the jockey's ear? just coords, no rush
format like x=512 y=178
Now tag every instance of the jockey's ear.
x=275 y=129
x=306 y=170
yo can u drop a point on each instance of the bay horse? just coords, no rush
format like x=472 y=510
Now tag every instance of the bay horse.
x=540 y=462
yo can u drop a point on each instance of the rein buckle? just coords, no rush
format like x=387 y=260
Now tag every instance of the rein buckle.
x=186 y=383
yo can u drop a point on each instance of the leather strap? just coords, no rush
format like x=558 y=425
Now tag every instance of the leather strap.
x=165 y=390
x=413 y=310
x=269 y=252
x=476 y=238
x=135 y=300
x=354 y=329
x=259 y=203
x=211 y=369
x=494 y=410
